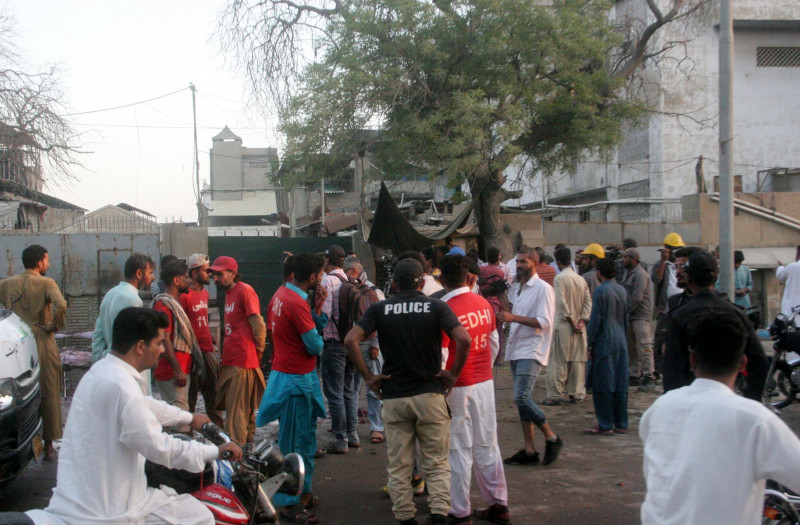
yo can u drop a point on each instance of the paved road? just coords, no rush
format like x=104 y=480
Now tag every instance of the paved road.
x=597 y=481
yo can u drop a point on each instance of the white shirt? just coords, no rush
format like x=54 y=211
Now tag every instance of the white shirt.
x=534 y=298
x=512 y=269
x=707 y=453
x=672 y=280
x=790 y=275
x=430 y=286
x=111 y=428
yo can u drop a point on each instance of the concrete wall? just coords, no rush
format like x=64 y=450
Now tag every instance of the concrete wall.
x=180 y=239
x=226 y=169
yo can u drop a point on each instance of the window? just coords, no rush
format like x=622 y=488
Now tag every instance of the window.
x=778 y=57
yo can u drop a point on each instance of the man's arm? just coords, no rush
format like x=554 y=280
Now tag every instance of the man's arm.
x=757 y=365
x=259 y=329
x=638 y=283
x=99 y=344
x=351 y=342
x=169 y=354
x=53 y=295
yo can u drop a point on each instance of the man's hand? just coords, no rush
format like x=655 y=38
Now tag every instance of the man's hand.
x=374 y=382
x=780 y=263
x=577 y=327
x=506 y=317
x=198 y=420
x=665 y=253
x=180 y=378
x=320 y=294
x=233 y=448
x=373 y=352
x=48 y=329
x=448 y=380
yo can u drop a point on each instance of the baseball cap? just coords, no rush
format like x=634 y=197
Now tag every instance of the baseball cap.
x=223 y=262
x=455 y=250
x=408 y=269
x=699 y=264
x=633 y=253
x=335 y=254
x=196 y=260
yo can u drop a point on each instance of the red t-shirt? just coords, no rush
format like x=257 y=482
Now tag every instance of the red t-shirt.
x=288 y=318
x=195 y=304
x=164 y=371
x=239 y=348
x=477 y=316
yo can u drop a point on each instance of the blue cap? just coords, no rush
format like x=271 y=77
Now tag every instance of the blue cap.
x=455 y=250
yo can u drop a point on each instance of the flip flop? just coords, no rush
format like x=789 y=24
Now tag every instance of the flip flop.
x=310 y=502
x=376 y=437
x=597 y=431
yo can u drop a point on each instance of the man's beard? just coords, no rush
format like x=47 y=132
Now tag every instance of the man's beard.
x=524 y=275
x=224 y=286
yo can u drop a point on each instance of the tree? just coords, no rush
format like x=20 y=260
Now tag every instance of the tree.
x=458 y=88
x=37 y=143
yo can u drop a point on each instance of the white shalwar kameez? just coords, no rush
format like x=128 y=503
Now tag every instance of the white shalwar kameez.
x=790 y=276
x=111 y=429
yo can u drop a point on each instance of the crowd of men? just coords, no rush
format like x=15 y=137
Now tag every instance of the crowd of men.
x=593 y=322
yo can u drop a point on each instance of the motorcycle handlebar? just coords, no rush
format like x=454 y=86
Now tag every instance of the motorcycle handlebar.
x=215 y=434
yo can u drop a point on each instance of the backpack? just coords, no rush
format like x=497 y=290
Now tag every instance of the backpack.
x=354 y=299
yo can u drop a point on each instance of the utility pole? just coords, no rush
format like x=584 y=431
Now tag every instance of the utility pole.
x=196 y=159
x=322 y=217
x=726 y=149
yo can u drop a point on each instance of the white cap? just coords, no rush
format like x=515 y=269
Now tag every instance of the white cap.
x=197 y=260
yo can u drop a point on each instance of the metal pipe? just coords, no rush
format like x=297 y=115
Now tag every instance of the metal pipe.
x=764 y=215
x=767 y=211
x=653 y=200
x=726 y=148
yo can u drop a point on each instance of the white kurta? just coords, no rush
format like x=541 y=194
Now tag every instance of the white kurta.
x=707 y=453
x=111 y=429
x=790 y=276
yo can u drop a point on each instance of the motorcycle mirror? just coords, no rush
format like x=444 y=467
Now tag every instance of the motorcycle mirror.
x=295 y=469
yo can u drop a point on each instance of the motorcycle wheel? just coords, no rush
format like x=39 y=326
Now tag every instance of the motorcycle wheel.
x=779 y=391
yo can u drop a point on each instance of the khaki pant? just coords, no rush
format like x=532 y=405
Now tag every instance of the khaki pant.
x=240 y=391
x=640 y=348
x=566 y=367
x=425 y=419
x=207 y=387
x=177 y=397
x=50 y=384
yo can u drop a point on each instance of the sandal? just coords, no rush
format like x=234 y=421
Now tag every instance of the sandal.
x=376 y=437
x=320 y=452
x=496 y=514
x=308 y=500
x=597 y=431
x=298 y=514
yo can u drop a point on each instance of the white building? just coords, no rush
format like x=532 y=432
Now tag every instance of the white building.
x=656 y=161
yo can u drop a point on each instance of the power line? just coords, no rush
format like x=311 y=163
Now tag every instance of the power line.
x=125 y=105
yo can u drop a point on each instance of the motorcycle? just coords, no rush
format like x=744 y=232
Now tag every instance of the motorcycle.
x=780 y=506
x=783 y=378
x=238 y=493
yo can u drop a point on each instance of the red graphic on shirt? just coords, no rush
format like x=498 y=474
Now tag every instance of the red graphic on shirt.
x=164 y=370
x=288 y=318
x=195 y=304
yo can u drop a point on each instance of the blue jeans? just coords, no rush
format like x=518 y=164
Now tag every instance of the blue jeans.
x=525 y=372
x=374 y=403
x=339 y=385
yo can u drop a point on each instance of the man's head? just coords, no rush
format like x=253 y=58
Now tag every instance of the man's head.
x=716 y=344
x=176 y=277
x=541 y=253
x=701 y=271
x=431 y=259
x=522 y=248
x=352 y=267
x=593 y=253
x=413 y=254
x=225 y=271
x=681 y=257
x=288 y=268
x=606 y=269
x=408 y=275
x=738 y=258
x=630 y=258
x=629 y=242
x=493 y=255
x=563 y=256
x=527 y=261
x=308 y=270
x=138 y=336
x=454 y=271
x=166 y=259
x=35 y=257
x=473 y=270
x=334 y=257
x=198 y=269
x=139 y=271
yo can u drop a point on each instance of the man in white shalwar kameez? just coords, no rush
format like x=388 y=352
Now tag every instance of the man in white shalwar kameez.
x=789 y=275
x=113 y=427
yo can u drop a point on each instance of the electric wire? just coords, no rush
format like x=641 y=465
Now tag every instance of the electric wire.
x=124 y=105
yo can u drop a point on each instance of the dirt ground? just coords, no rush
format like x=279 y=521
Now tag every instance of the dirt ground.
x=597 y=480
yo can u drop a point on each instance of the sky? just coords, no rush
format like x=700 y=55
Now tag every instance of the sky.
x=111 y=53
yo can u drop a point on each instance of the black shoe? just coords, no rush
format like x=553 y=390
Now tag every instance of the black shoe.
x=437 y=519
x=412 y=521
x=552 y=448
x=523 y=458
x=646 y=384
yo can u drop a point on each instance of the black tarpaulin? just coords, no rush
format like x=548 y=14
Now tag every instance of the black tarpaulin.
x=392 y=231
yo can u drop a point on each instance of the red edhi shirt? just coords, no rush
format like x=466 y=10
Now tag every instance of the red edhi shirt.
x=239 y=348
x=195 y=304
x=289 y=317
x=164 y=371
x=477 y=316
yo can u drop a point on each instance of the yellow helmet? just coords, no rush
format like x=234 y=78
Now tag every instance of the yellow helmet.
x=673 y=239
x=596 y=250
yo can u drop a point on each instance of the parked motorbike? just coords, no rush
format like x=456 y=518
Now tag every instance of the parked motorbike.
x=262 y=472
x=783 y=378
x=780 y=506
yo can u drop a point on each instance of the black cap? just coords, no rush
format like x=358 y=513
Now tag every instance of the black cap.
x=335 y=254
x=700 y=266
x=408 y=269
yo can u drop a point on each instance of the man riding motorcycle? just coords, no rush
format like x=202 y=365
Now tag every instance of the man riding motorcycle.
x=113 y=427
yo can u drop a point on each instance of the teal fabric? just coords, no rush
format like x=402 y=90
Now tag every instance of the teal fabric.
x=742 y=278
x=312 y=339
x=117 y=299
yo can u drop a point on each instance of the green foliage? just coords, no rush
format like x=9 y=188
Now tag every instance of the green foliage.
x=460 y=88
